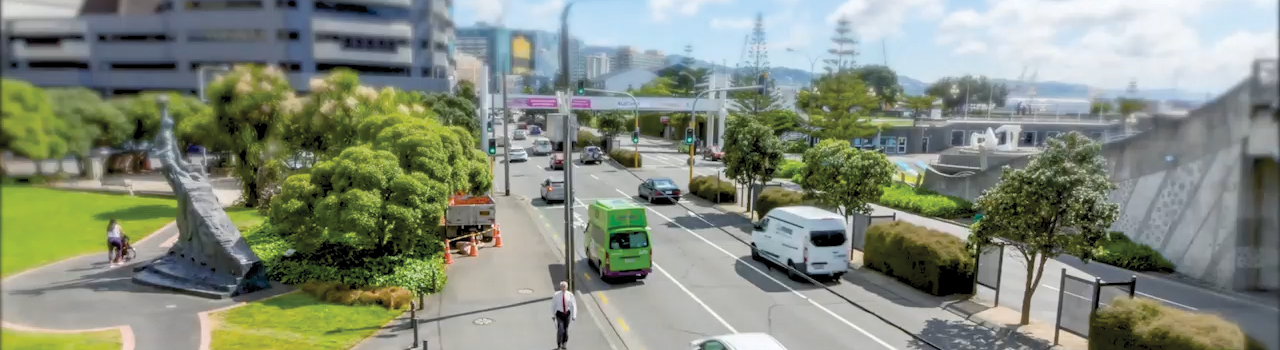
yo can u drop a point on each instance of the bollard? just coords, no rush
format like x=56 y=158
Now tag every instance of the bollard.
x=424 y=345
x=413 y=324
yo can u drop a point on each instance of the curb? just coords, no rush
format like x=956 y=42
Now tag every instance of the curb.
x=956 y=307
x=206 y=327
x=127 y=341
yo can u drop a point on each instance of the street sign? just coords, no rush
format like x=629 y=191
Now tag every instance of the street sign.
x=665 y=119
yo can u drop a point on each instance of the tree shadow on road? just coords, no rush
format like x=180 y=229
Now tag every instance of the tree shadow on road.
x=119 y=279
x=138 y=213
x=960 y=335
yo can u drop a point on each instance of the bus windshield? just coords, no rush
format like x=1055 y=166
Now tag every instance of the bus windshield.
x=629 y=240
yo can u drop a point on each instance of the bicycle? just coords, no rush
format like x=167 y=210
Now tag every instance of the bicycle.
x=126 y=249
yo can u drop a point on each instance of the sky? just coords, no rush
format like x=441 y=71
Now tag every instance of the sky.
x=1193 y=45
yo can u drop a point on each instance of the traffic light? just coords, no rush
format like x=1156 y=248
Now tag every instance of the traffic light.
x=763 y=81
x=688 y=136
x=635 y=137
x=493 y=147
x=582 y=87
x=490 y=125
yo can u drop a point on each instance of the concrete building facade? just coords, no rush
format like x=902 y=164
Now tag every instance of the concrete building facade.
x=624 y=80
x=627 y=58
x=532 y=53
x=597 y=65
x=129 y=46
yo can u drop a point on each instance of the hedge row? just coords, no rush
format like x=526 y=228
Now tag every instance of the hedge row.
x=1121 y=252
x=789 y=169
x=932 y=261
x=626 y=158
x=417 y=274
x=1146 y=324
x=924 y=202
x=713 y=189
x=586 y=138
x=774 y=197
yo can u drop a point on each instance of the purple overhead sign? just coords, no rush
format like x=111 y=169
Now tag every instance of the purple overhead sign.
x=547 y=102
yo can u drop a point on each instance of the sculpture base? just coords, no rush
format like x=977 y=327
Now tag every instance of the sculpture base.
x=167 y=273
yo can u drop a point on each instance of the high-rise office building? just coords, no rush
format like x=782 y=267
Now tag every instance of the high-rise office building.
x=597 y=65
x=127 y=46
x=628 y=58
x=532 y=53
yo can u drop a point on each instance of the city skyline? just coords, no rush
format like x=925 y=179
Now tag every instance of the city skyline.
x=1193 y=45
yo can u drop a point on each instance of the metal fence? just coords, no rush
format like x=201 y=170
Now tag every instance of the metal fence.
x=989 y=269
x=1079 y=299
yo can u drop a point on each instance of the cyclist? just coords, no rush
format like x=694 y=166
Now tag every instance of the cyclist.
x=115 y=242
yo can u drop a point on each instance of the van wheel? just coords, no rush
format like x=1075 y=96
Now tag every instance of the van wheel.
x=755 y=253
x=791 y=271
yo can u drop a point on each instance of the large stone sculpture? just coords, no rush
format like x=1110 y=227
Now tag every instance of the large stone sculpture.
x=210 y=258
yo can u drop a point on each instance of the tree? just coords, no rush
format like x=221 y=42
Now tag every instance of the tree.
x=839 y=108
x=250 y=105
x=1130 y=105
x=783 y=121
x=882 y=80
x=844 y=177
x=920 y=106
x=845 y=50
x=30 y=127
x=659 y=87
x=751 y=153
x=612 y=123
x=545 y=90
x=87 y=121
x=976 y=89
x=467 y=90
x=1057 y=204
x=526 y=90
x=143 y=112
x=1101 y=107
x=748 y=73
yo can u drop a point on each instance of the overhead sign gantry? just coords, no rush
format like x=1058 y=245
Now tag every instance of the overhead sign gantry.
x=608 y=103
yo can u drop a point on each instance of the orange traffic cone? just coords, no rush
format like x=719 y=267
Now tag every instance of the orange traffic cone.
x=497 y=237
x=475 y=247
x=448 y=256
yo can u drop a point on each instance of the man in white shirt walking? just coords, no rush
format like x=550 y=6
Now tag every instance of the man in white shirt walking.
x=565 y=309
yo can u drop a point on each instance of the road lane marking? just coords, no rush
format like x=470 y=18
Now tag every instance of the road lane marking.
x=695 y=298
x=1137 y=293
x=622 y=323
x=766 y=275
x=588 y=277
x=593 y=176
x=603 y=298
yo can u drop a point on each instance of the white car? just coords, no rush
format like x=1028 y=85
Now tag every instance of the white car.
x=542 y=146
x=740 y=341
x=809 y=240
x=518 y=154
x=519 y=135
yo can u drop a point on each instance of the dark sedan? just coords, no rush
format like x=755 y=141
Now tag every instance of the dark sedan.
x=660 y=188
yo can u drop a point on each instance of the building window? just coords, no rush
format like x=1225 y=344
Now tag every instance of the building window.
x=1028 y=138
x=144 y=66
x=957 y=137
x=55 y=65
x=291 y=66
x=212 y=5
x=385 y=12
x=286 y=4
x=287 y=35
x=133 y=38
x=902 y=145
x=229 y=35
x=373 y=70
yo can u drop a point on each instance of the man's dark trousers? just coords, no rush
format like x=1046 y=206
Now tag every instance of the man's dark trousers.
x=562 y=328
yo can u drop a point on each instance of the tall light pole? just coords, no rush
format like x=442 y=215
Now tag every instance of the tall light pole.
x=693 y=117
x=635 y=111
x=568 y=154
x=812 y=63
x=506 y=148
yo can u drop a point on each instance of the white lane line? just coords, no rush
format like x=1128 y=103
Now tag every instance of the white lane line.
x=593 y=176
x=766 y=275
x=695 y=299
x=1138 y=293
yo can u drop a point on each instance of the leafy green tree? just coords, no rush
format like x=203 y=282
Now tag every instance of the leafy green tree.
x=613 y=123
x=1130 y=105
x=783 y=121
x=467 y=90
x=839 y=107
x=659 y=87
x=977 y=89
x=86 y=121
x=30 y=126
x=1057 y=204
x=752 y=154
x=1101 y=107
x=453 y=111
x=250 y=105
x=143 y=112
x=546 y=90
x=882 y=80
x=920 y=106
x=752 y=102
x=844 y=177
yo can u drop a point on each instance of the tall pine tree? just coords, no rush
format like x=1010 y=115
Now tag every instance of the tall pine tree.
x=844 y=50
x=752 y=102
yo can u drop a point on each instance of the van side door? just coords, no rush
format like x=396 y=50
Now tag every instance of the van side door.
x=763 y=237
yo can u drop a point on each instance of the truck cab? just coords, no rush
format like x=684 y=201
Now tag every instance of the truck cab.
x=618 y=244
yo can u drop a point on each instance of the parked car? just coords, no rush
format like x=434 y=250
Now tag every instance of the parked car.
x=518 y=154
x=592 y=155
x=553 y=189
x=659 y=188
x=557 y=161
x=808 y=240
x=739 y=341
x=713 y=153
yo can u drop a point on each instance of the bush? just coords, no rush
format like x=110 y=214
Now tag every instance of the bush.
x=932 y=261
x=1146 y=324
x=788 y=169
x=1121 y=252
x=713 y=189
x=394 y=298
x=775 y=197
x=924 y=202
x=586 y=138
x=796 y=146
x=626 y=158
x=361 y=269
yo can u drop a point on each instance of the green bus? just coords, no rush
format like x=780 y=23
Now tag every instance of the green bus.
x=618 y=239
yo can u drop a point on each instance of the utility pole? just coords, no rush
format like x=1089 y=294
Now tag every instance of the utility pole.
x=568 y=154
x=506 y=147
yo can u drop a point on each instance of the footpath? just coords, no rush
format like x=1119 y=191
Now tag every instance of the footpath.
x=500 y=299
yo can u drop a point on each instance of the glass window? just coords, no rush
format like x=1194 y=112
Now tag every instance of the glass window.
x=827 y=238
x=712 y=345
x=239 y=34
x=629 y=240
x=957 y=137
x=663 y=184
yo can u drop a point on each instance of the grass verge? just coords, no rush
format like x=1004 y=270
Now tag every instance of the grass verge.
x=43 y=225
x=297 y=321
x=245 y=218
x=99 y=340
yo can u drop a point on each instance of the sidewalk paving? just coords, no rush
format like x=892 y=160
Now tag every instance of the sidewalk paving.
x=226 y=188
x=498 y=300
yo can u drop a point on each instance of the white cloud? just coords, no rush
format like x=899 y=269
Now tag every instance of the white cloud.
x=875 y=19
x=660 y=8
x=485 y=10
x=731 y=23
x=970 y=48
x=548 y=9
x=1107 y=42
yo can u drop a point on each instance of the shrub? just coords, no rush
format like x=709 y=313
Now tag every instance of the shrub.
x=361 y=269
x=788 y=169
x=1146 y=324
x=626 y=158
x=924 y=202
x=1121 y=252
x=796 y=146
x=390 y=297
x=775 y=197
x=929 y=260
x=586 y=138
x=713 y=189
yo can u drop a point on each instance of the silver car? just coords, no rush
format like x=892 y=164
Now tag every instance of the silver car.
x=519 y=135
x=553 y=189
x=518 y=154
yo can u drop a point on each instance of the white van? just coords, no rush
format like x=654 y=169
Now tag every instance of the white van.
x=808 y=239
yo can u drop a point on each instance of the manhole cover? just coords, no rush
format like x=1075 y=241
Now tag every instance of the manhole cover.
x=482 y=321
x=525 y=291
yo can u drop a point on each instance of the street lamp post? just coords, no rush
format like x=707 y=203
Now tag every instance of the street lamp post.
x=568 y=154
x=812 y=63
x=205 y=70
x=635 y=111
x=693 y=116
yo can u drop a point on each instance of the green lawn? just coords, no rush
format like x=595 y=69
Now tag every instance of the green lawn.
x=101 y=340
x=297 y=321
x=44 y=225
x=244 y=218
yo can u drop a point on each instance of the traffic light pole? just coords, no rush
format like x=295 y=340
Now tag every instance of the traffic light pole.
x=506 y=150
x=568 y=167
x=693 y=110
x=635 y=115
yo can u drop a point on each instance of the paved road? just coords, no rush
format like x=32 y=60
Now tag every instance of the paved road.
x=1258 y=317
x=705 y=283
